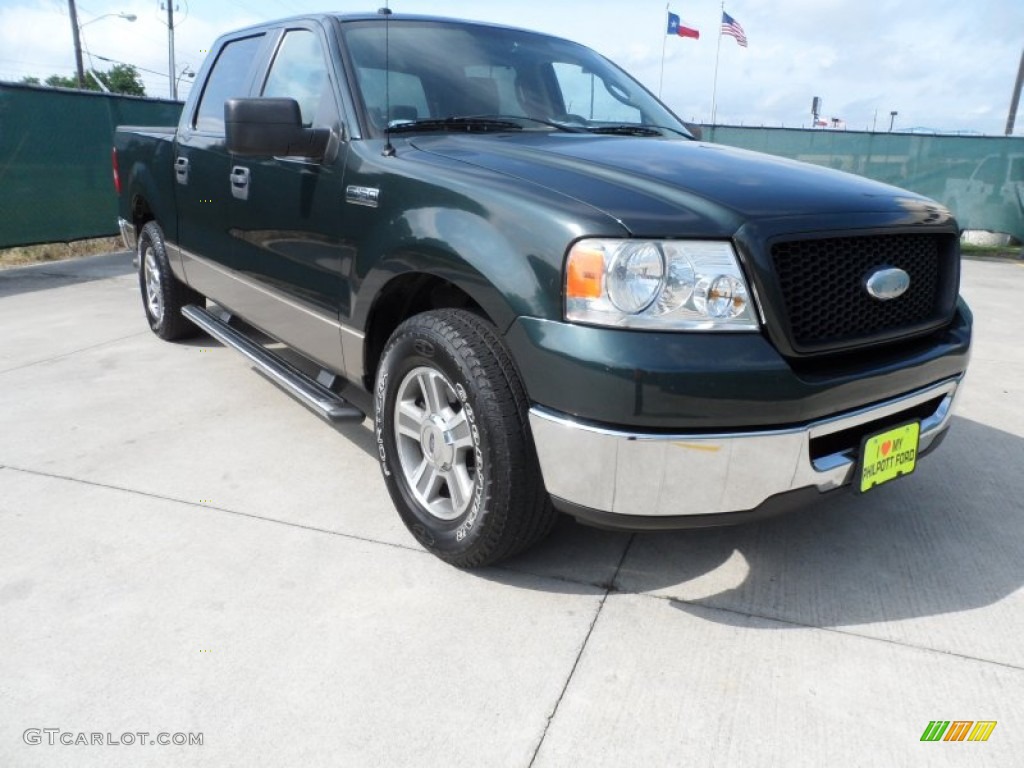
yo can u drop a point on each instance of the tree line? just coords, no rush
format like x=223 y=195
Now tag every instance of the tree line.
x=120 y=78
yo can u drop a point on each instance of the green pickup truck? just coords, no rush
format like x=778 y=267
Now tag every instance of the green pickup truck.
x=547 y=293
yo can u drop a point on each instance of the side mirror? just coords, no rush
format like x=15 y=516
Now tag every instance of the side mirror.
x=271 y=127
x=693 y=128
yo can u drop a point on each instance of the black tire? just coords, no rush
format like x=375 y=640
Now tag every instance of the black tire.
x=483 y=435
x=163 y=295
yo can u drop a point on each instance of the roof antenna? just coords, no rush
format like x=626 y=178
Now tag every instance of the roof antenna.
x=389 y=150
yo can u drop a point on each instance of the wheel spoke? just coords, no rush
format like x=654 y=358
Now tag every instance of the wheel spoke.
x=460 y=487
x=429 y=393
x=426 y=480
x=410 y=420
x=458 y=427
x=440 y=387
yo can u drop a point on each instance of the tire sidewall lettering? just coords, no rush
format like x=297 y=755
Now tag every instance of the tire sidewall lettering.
x=478 y=457
x=381 y=396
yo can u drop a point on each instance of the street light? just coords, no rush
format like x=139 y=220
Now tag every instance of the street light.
x=892 y=119
x=76 y=29
x=122 y=15
x=186 y=72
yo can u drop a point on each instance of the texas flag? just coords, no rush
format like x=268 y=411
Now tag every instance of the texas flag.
x=676 y=27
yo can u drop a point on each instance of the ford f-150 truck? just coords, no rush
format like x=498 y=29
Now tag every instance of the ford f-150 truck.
x=547 y=293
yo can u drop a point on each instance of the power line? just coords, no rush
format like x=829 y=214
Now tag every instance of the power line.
x=35 y=65
x=125 y=63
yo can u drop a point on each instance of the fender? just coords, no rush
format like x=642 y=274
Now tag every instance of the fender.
x=158 y=194
x=472 y=254
x=499 y=238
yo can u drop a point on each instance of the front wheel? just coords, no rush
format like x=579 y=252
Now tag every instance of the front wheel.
x=454 y=440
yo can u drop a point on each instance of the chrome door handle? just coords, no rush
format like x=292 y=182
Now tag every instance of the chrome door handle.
x=181 y=170
x=240 y=182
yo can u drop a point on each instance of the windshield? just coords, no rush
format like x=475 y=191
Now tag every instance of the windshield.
x=444 y=70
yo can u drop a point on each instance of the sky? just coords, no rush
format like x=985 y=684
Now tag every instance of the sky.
x=943 y=65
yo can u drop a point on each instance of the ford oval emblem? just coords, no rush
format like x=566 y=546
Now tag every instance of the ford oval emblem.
x=887 y=283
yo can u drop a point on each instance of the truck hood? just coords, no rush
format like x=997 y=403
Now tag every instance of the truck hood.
x=664 y=187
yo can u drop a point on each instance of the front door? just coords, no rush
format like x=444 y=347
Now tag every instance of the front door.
x=284 y=212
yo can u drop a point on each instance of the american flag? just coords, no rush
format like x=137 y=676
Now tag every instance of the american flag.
x=732 y=27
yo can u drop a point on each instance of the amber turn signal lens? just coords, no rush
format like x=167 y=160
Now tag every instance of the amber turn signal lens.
x=584 y=273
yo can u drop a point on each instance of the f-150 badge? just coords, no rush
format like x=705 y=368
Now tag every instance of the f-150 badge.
x=362 y=195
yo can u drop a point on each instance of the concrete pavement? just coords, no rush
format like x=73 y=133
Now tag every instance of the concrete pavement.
x=185 y=549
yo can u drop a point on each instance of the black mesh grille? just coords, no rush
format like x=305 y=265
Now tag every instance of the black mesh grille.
x=823 y=288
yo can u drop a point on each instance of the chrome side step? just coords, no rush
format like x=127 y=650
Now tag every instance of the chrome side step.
x=314 y=395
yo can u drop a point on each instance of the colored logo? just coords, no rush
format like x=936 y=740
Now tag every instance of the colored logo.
x=958 y=730
x=887 y=283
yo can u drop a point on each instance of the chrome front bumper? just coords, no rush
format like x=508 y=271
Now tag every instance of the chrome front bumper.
x=645 y=475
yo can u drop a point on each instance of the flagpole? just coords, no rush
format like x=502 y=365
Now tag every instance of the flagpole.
x=664 y=39
x=714 y=90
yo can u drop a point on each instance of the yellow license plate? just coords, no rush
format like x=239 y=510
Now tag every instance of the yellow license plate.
x=887 y=455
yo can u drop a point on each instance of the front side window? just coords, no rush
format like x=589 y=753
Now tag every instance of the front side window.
x=588 y=95
x=991 y=171
x=299 y=73
x=1017 y=169
x=228 y=79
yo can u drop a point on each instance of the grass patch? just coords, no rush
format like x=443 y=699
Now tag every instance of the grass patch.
x=37 y=254
x=992 y=251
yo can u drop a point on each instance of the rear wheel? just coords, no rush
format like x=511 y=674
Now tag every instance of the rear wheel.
x=454 y=440
x=163 y=295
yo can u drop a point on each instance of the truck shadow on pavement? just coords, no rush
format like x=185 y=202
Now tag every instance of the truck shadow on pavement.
x=947 y=539
x=57 y=274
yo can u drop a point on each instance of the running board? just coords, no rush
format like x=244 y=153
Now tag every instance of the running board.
x=318 y=398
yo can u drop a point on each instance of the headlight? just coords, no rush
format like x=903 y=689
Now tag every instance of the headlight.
x=694 y=285
x=635 y=277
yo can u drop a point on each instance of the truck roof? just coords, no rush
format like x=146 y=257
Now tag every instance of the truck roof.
x=375 y=16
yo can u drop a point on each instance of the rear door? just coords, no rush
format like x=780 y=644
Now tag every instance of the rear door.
x=284 y=213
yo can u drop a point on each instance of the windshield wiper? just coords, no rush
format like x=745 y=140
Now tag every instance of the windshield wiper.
x=492 y=122
x=469 y=124
x=635 y=129
x=626 y=130
x=543 y=121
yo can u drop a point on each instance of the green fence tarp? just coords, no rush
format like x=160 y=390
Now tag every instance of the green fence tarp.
x=56 y=181
x=980 y=178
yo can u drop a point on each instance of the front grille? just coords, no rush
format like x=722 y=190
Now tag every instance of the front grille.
x=822 y=283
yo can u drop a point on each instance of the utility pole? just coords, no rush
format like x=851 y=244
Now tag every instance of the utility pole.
x=170 y=49
x=78 y=44
x=1012 y=117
